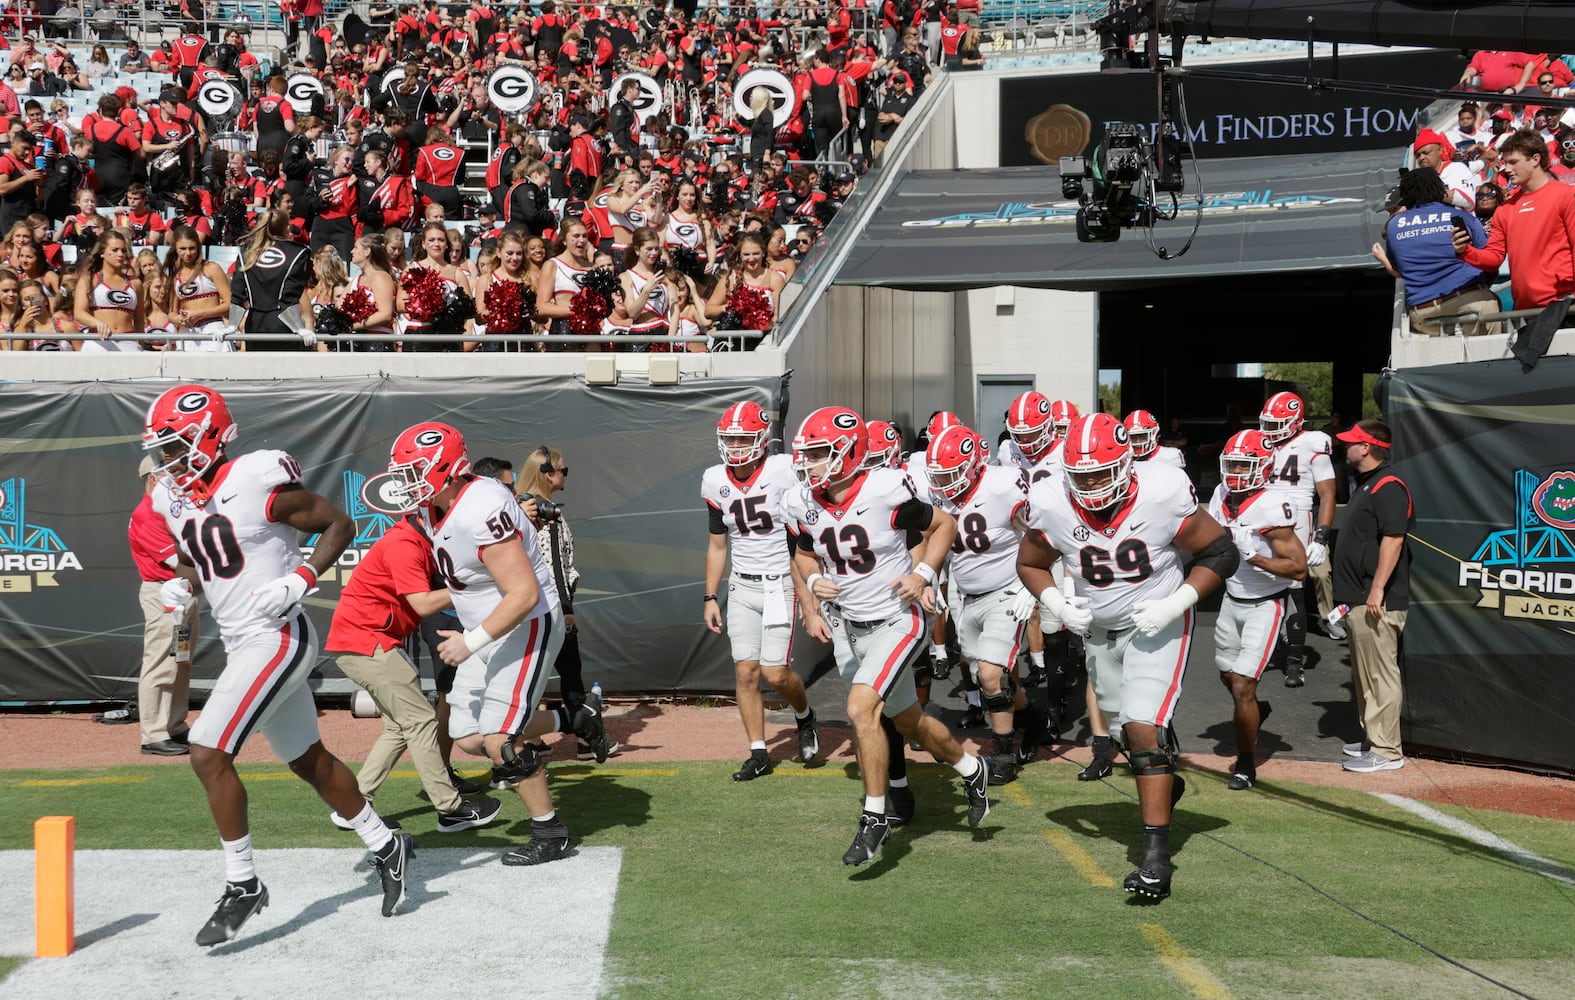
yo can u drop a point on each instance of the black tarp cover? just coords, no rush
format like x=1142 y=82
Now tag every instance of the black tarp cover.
x=1519 y=26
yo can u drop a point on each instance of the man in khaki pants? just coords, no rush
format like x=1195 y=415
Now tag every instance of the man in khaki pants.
x=390 y=591
x=1372 y=574
x=163 y=685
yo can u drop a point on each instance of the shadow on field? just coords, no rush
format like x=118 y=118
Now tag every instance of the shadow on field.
x=1223 y=734
x=114 y=927
x=1120 y=822
x=939 y=807
x=597 y=802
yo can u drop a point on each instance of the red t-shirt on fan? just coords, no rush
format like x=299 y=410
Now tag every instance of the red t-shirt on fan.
x=372 y=610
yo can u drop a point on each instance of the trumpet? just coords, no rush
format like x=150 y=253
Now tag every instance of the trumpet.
x=557 y=105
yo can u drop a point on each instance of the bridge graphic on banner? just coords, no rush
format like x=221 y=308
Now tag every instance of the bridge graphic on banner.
x=1531 y=540
x=16 y=535
x=369 y=524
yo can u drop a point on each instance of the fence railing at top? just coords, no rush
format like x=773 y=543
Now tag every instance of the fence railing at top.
x=230 y=335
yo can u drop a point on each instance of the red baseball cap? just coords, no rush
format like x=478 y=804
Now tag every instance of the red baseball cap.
x=1356 y=435
x=1427 y=137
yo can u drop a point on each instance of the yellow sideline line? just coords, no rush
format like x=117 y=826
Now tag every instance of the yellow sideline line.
x=1078 y=858
x=568 y=771
x=1193 y=975
x=73 y=782
x=1014 y=794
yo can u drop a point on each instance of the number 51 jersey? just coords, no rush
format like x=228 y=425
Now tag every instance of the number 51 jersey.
x=485 y=513
x=749 y=511
x=1131 y=557
x=233 y=540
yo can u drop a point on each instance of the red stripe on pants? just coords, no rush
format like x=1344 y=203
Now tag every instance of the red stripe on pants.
x=1274 y=635
x=1168 y=704
x=901 y=652
x=286 y=640
x=519 y=683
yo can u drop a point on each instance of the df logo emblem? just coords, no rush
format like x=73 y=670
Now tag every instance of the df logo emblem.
x=1061 y=131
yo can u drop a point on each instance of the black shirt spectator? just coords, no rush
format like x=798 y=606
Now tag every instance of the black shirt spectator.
x=1380 y=508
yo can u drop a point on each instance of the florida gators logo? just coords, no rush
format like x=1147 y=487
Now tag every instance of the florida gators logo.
x=1554 y=500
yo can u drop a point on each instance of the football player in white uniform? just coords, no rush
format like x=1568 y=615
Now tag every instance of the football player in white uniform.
x=1262 y=526
x=987 y=502
x=861 y=581
x=1302 y=469
x=238 y=524
x=744 y=498
x=1126 y=536
x=504 y=595
x=1143 y=432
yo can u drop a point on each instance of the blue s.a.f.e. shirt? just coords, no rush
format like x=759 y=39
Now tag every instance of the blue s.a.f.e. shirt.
x=1421 y=246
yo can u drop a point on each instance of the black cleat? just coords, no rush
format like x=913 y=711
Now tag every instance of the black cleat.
x=465 y=786
x=756 y=765
x=972 y=718
x=1294 y=677
x=390 y=863
x=978 y=789
x=1151 y=881
x=239 y=902
x=1100 y=767
x=940 y=667
x=584 y=751
x=470 y=814
x=1241 y=780
x=900 y=806
x=1003 y=759
x=589 y=727
x=808 y=737
x=549 y=841
x=1036 y=675
x=873 y=829
x=1035 y=735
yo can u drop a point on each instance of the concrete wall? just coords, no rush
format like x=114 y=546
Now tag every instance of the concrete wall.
x=1050 y=335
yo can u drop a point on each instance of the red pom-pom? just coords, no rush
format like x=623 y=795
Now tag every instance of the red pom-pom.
x=586 y=311
x=358 y=304
x=423 y=293
x=505 y=302
x=752 y=306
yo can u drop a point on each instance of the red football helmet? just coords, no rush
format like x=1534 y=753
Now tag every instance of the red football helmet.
x=1281 y=418
x=1028 y=422
x=188 y=426
x=741 y=433
x=1143 y=432
x=955 y=461
x=831 y=440
x=426 y=458
x=1062 y=413
x=1244 y=463
x=939 y=422
x=1098 y=462
x=885 y=446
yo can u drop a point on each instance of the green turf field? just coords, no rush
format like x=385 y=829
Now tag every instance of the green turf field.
x=738 y=890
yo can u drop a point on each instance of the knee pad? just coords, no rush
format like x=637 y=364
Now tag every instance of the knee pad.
x=518 y=766
x=1001 y=702
x=1160 y=760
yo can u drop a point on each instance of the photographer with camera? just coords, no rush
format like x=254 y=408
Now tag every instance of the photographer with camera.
x=543 y=477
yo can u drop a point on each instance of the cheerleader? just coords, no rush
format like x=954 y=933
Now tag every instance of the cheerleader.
x=560 y=274
x=508 y=268
x=201 y=294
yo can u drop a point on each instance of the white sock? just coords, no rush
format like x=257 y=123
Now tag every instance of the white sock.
x=972 y=697
x=938 y=651
x=901 y=782
x=369 y=826
x=875 y=804
x=801 y=716
x=757 y=745
x=967 y=766
x=550 y=815
x=1037 y=659
x=238 y=866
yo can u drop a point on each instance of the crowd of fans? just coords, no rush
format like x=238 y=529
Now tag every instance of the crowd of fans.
x=369 y=138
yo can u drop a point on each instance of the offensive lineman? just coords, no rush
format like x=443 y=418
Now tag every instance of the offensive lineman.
x=1301 y=469
x=1126 y=536
x=238 y=524
x=1248 y=627
x=863 y=586
x=486 y=554
x=744 y=497
x=987 y=502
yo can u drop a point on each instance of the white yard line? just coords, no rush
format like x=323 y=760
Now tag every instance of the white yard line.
x=469 y=926
x=1469 y=831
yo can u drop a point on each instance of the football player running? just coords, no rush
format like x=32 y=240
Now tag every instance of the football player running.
x=1143 y=431
x=238 y=524
x=1248 y=627
x=503 y=593
x=987 y=502
x=862 y=585
x=1126 y=536
x=744 y=498
x=1301 y=470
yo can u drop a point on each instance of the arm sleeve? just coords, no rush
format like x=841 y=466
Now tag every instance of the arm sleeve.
x=913 y=515
x=716 y=524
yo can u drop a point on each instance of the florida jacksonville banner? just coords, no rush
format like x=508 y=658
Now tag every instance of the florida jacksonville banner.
x=70 y=624
x=1490 y=640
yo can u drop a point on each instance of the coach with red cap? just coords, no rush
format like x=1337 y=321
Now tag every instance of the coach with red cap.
x=1372 y=575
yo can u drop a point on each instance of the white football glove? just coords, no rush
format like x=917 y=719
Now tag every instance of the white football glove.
x=939 y=594
x=176 y=594
x=1151 y=616
x=1022 y=607
x=275 y=599
x=1243 y=539
x=1072 y=610
x=1317 y=553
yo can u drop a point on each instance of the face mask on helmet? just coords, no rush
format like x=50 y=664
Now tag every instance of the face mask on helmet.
x=740 y=448
x=953 y=482
x=1241 y=474
x=818 y=465
x=1098 y=489
x=1033 y=441
x=182 y=462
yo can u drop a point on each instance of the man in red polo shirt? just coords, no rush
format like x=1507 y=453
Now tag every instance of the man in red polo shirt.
x=389 y=593
x=163 y=685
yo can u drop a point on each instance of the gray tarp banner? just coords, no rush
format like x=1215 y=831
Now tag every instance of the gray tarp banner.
x=950 y=229
x=70 y=625
x=1488 y=454
x=1515 y=26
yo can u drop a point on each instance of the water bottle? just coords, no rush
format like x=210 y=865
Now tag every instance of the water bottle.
x=180 y=644
x=1338 y=614
x=596 y=692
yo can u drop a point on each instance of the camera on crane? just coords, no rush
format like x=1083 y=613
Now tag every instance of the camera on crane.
x=1112 y=187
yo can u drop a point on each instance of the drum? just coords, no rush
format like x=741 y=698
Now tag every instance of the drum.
x=232 y=142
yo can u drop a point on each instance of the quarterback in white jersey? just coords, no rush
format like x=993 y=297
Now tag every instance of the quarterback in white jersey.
x=503 y=593
x=1262 y=526
x=1301 y=470
x=237 y=525
x=1125 y=535
x=743 y=497
x=860 y=580
x=988 y=502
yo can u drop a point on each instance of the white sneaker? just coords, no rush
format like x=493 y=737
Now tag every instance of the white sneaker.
x=1336 y=632
x=1371 y=761
x=1354 y=749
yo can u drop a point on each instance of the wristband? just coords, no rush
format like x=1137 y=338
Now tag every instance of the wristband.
x=709 y=597
x=809 y=584
x=308 y=574
x=477 y=639
x=924 y=570
x=1321 y=535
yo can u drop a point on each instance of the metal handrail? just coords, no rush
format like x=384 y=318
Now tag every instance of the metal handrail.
x=1458 y=319
x=420 y=338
